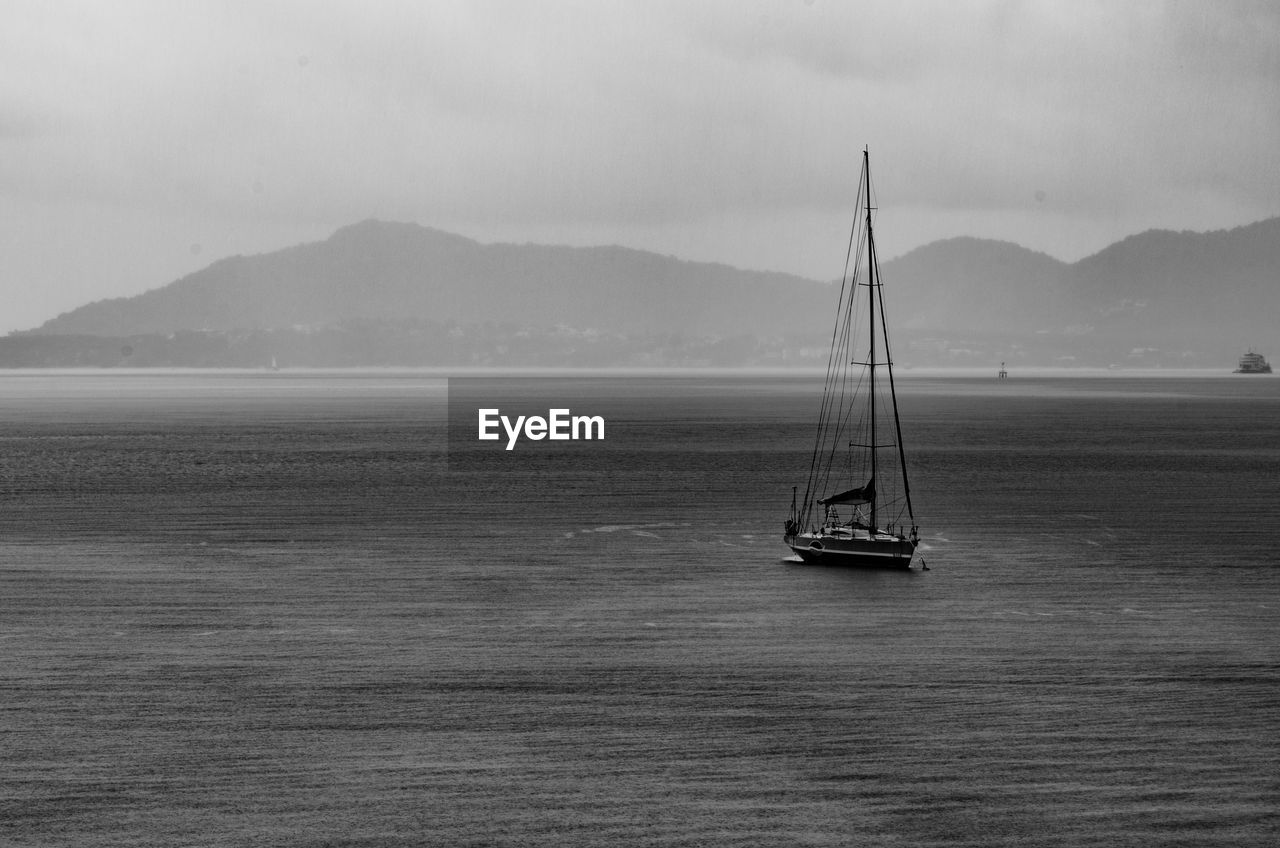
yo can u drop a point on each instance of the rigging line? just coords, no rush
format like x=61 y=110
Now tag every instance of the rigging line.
x=847 y=285
x=823 y=410
x=838 y=343
x=840 y=426
x=833 y=423
x=893 y=393
x=828 y=394
x=888 y=353
x=839 y=412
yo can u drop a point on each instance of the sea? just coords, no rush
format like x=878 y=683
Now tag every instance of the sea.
x=302 y=609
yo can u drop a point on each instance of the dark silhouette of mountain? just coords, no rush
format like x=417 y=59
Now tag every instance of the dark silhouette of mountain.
x=974 y=285
x=1158 y=298
x=378 y=270
x=1191 y=284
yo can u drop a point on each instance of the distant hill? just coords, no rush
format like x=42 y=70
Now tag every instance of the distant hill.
x=1160 y=298
x=975 y=286
x=1190 y=285
x=380 y=270
x=392 y=293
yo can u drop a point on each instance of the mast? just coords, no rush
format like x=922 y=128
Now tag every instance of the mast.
x=874 y=282
x=871 y=311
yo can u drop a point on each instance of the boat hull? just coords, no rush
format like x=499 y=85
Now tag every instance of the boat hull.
x=879 y=552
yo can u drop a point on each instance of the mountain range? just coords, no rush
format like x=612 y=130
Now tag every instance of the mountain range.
x=393 y=293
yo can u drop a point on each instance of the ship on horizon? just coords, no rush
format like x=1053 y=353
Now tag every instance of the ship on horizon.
x=1253 y=363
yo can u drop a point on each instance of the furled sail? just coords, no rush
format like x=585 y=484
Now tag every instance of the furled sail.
x=865 y=494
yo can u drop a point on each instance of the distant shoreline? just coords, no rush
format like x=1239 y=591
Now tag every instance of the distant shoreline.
x=442 y=372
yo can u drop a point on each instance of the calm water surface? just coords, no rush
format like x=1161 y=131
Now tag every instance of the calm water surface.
x=265 y=609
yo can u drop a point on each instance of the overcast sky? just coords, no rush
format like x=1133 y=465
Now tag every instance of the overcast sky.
x=141 y=141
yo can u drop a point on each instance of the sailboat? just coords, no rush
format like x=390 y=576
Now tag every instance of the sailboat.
x=856 y=508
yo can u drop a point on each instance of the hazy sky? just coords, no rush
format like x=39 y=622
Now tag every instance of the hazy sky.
x=140 y=141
